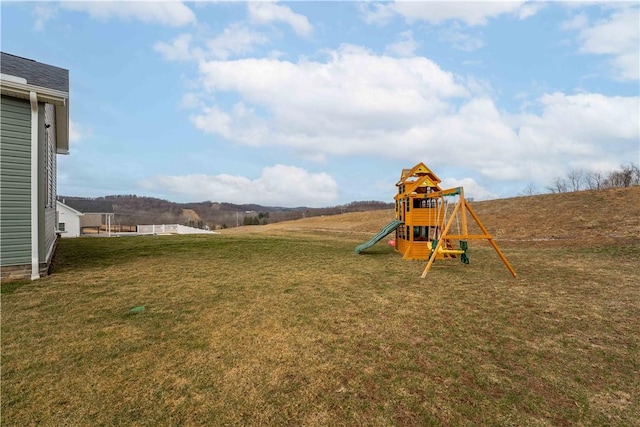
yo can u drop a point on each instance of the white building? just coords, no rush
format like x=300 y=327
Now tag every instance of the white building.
x=68 y=221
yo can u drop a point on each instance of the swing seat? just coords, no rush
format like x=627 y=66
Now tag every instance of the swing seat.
x=451 y=251
x=446 y=251
x=433 y=244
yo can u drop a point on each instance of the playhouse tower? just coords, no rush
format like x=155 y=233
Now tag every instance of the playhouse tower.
x=422 y=216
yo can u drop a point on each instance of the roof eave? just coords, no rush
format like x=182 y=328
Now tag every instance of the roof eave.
x=62 y=128
x=77 y=212
x=55 y=97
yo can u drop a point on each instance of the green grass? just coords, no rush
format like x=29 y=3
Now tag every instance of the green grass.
x=298 y=330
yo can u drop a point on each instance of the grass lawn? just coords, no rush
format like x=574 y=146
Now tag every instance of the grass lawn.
x=295 y=329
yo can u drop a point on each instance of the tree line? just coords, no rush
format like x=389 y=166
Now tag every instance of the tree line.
x=130 y=209
x=581 y=179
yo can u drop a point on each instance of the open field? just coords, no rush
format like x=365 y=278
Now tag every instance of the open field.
x=285 y=325
x=585 y=218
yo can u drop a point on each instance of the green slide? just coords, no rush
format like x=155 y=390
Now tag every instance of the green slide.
x=375 y=239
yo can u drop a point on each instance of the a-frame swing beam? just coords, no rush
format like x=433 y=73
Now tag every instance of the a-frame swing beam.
x=463 y=206
x=490 y=238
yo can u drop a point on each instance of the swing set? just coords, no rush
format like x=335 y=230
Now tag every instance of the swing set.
x=442 y=243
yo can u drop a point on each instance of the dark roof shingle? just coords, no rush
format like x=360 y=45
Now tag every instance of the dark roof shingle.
x=88 y=205
x=36 y=73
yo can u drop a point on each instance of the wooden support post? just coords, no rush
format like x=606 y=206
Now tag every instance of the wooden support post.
x=431 y=259
x=490 y=238
x=463 y=213
x=463 y=206
x=441 y=240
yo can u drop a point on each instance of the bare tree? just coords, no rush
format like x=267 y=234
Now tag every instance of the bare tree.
x=578 y=179
x=529 y=190
x=575 y=179
x=621 y=178
x=636 y=173
x=595 y=180
x=558 y=185
x=627 y=174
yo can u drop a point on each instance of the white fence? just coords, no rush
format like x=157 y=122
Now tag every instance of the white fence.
x=170 y=229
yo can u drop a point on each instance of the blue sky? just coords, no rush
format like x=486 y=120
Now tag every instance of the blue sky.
x=323 y=103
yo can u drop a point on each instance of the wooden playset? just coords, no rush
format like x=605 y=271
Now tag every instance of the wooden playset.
x=431 y=223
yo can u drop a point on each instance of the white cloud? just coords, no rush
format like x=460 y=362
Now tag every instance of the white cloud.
x=377 y=95
x=235 y=39
x=354 y=102
x=618 y=37
x=278 y=185
x=241 y=124
x=43 y=13
x=570 y=131
x=530 y=8
x=460 y=15
x=588 y=117
x=577 y=22
x=192 y=100
x=213 y=120
x=358 y=103
x=405 y=46
x=376 y=13
x=178 y=50
x=471 y=188
x=459 y=39
x=171 y=13
x=471 y=13
x=264 y=12
x=363 y=83
x=77 y=132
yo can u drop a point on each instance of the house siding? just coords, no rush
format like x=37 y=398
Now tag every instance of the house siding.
x=50 y=156
x=15 y=181
x=47 y=181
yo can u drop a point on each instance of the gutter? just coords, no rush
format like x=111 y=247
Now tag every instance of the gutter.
x=18 y=87
x=24 y=90
x=35 y=243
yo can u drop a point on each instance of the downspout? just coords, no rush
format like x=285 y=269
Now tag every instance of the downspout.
x=35 y=241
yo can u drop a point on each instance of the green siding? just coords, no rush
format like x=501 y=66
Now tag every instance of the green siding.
x=50 y=225
x=47 y=183
x=15 y=181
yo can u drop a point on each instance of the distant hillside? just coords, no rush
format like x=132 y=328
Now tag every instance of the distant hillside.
x=612 y=213
x=136 y=210
x=594 y=216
